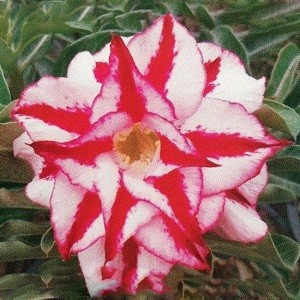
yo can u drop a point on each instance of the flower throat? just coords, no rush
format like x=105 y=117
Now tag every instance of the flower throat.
x=136 y=144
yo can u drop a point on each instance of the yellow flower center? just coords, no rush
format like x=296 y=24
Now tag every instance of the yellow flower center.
x=136 y=144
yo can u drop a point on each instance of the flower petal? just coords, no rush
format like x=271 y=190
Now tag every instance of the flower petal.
x=91 y=261
x=126 y=90
x=210 y=211
x=162 y=237
x=174 y=147
x=168 y=56
x=39 y=190
x=55 y=109
x=127 y=214
x=86 y=148
x=184 y=196
x=251 y=189
x=241 y=223
x=133 y=270
x=227 y=78
x=233 y=139
x=75 y=215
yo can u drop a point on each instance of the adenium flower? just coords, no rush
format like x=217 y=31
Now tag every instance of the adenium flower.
x=141 y=149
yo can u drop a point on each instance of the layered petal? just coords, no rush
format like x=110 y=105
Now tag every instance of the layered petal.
x=231 y=138
x=125 y=89
x=227 y=78
x=76 y=216
x=240 y=222
x=169 y=58
x=252 y=188
x=39 y=190
x=210 y=211
x=133 y=270
x=55 y=109
x=175 y=148
x=164 y=238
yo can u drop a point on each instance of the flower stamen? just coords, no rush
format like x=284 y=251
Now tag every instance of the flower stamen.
x=136 y=144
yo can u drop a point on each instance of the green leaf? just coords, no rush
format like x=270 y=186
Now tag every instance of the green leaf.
x=8 y=59
x=47 y=241
x=132 y=20
x=274 y=250
x=285 y=73
x=16 y=250
x=6 y=111
x=275 y=286
x=279 y=117
x=202 y=15
x=16 y=199
x=286 y=182
x=276 y=194
x=261 y=40
x=15 y=281
x=288 y=160
x=4 y=90
x=13 y=228
x=178 y=7
x=224 y=36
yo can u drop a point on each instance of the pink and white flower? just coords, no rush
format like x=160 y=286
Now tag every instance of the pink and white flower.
x=145 y=146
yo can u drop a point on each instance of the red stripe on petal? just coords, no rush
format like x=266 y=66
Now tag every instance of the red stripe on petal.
x=130 y=257
x=170 y=154
x=179 y=201
x=72 y=120
x=88 y=211
x=185 y=242
x=221 y=144
x=161 y=64
x=212 y=69
x=85 y=152
x=131 y=101
x=101 y=71
x=123 y=203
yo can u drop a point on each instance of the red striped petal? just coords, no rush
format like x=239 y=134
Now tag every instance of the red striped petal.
x=168 y=55
x=181 y=195
x=69 y=204
x=174 y=147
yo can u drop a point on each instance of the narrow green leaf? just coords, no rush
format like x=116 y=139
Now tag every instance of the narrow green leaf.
x=6 y=111
x=15 y=281
x=4 y=90
x=8 y=60
x=285 y=182
x=16 y=199
x=13 y=228
x=276 y=194
x=132 y=20
x=288 y=250
x=178 y=7
x=202 y=15
x=275 y=250
x=224 y=36
x=283 y=31
x=287 y=160
x=16 y=250
x=285 y=73
x=279 y=117
x=47 y=241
